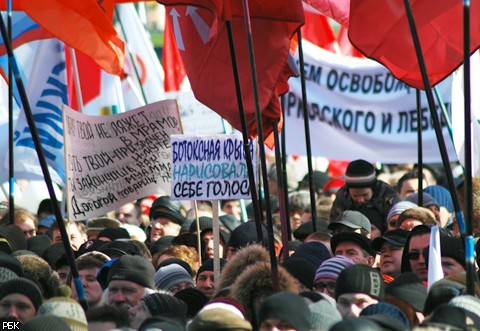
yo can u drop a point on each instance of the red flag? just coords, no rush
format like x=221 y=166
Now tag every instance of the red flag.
x=345 y=45
x=380 y=30
x=318 y=31
x=172 y=61
x=336 y=9
x=82 y=25
x=203 y=43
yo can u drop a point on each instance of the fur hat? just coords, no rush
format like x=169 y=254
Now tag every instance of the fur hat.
x=360 y=278
x=133 y=268
x=360 y=173
x=240 y=261
x=286 y=307
x=100 y=223
x=67 y=309
x=255 y=284
x=22 y=286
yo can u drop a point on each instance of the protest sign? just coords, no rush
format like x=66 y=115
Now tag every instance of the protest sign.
x=357 y=109
x=210 y=167
x=114 y=159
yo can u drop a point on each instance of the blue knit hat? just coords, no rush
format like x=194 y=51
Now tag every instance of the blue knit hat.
x=315 y=252
x=442 y=195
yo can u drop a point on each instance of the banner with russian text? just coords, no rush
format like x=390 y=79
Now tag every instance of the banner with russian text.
x=114 y=159
x=210 y=167
x=357 y=109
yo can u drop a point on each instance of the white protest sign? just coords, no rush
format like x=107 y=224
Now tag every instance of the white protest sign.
x=196 y=117
x=114 y=159
x=357 y=109
x=210 y=167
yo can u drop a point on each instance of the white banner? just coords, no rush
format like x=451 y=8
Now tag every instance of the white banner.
x=114 y=159
x=210 y=167
x=358 y=109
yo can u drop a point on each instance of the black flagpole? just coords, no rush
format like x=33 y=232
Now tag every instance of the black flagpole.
x=438 y=132
x=469 y=241
x=11 y=146
x=253 y=71
x=44 y=166
x=284 y=168
x=246 y=141
x=420 y=149
x=307 y=132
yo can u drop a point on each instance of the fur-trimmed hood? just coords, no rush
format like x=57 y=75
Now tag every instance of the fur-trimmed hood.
x=255 y=284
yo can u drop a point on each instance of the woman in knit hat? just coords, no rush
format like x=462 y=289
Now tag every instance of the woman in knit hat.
x=327 y=274
x=20 y=299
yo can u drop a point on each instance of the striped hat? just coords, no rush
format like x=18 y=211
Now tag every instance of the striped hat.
x=168 y=276
x=360 y=173
x=331 y=268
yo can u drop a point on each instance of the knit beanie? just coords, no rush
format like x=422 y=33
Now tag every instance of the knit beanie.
x=175 y=260
x=315 y=252
x=133 y=268
x=163 y=323
x=360 y=173
x=331 y=268
x=246 y=234
x=195 y=300
x=399 y=207
x=428 y=200
x=22 y=286
x=46 y=323
x=409 y=288
x=10 y=268
x=67 y=309
x=442 y=195
x=114 y=234
x=469 y=303
x=161 y=303
x=453 y=248
x=207 y=265
x=323 y=315
x=442 y=291
x=360 y=278
x=388 y=309
x=286 y=307
x=38 y=244
x=357 y=324
x=15 y=239
x=216 y=319
x=168 y=276
x=301 y=269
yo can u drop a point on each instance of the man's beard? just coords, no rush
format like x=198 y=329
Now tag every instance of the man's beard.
x=125 y=306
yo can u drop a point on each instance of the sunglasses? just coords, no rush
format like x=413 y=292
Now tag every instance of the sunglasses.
x=321 y=286
x=414 y=255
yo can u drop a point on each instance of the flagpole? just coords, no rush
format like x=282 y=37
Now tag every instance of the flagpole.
x=246 y=143
x=419 y=149
x=11 y=145
x=284 y=219
x=438 y=132
x=284 y=165
x=469 y=240
x=76 y=78
x=441 y=104
x=253 y=71
x=44 y=166
x=307 y=132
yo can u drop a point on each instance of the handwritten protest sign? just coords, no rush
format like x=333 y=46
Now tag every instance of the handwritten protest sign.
x=210 y=167
x=111 y=160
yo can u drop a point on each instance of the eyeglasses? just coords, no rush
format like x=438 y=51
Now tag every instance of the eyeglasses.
x=413 y=255
x=321 y=286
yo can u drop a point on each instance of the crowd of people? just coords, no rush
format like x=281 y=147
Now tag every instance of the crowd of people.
x=152 y=264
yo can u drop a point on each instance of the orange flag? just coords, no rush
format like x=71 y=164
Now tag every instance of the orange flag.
x=202 y=40
x=82 y=25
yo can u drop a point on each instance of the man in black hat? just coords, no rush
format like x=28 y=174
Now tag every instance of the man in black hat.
x=362 y=188
x=166 y=218
x=390 y=246
x=354 y=246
